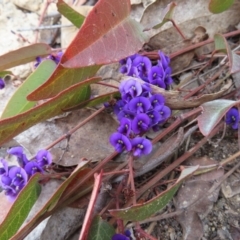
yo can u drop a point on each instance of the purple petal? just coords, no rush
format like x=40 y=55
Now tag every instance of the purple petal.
x=140 y=123
x=147 y=90
x=5 y=181
x=154 y=117
x=21 y=157
x=119 y=236
x=120 y=142
x=139 y=104
x=43 y=158
x=143 y=64
x=156 y=73
x=118 y=107
x=4 y=169
x=18 y=175
x=164 y=60
x=157 y=101
x=165 y=113
x=141 y=146
x=232 y=118
x=32 y=167
x=2 y=83
x=125 y=126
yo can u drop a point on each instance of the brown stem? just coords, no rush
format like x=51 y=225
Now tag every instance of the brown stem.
x=180 y=160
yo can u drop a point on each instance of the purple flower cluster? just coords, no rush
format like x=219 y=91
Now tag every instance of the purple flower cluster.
x=141 y=67
x=14 y=178
x=56 y=58
x=138 y=111
x=232 y=118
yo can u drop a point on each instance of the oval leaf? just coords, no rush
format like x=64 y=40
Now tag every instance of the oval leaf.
x=107 y=35
x=24 y=55
x=18 y=102
x=21 y=208
x=143 y=211
x=218 y=6
x=73 y=16
x=100 y=230
x=212 y=113
x=10 y=127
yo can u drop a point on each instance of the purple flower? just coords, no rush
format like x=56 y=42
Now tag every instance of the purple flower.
x=232 y=118
x=119 y=236
x=2 y=83
x=14 y=181
x=164 y=60
x=157 y=101
x=146 y=90
x=125 y=126
x=118 y=107
x=56 y=57
x=125 y=113
x=140 y=123
x=165 y=113
x=141 y=146
x=139 y=104
x=32 y=167
x=154 y=117
x=168 y=79
x=156 y=77
x=43 y=158
x=38 y=61
x=21 y=157
x=144 y=65
x=129 y=89
x=120 y=142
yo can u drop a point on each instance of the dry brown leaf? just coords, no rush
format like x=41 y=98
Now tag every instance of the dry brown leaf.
x=193 y=196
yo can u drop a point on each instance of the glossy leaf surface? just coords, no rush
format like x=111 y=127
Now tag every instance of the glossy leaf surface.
x=73 y=16
x=100 y=230
x=107 y=35
x=143 y=211
x=72 y=96
x=21 y=208
x=218 y=6
x=212 y=113
x=24 y=55
x=18 y=102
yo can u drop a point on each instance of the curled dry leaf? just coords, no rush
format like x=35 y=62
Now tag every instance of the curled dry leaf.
x=175 y=100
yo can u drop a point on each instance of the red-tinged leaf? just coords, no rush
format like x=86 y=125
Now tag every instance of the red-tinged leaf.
x=218 y=6
x=166 y=16
x=212 y=113
x=61 y=79
x=95 y=101
x=18 y=102
x=51 y=203
x=100 y=230
x=73 y=16
x=107 y=35
x=24 y=55
x=142 y=211
x=72 y=96
x=20 y=208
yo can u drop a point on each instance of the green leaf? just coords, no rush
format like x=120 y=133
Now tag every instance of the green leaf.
x=143 y=211
x=21 y=208
x=166 y=16
x=18 y=102
x=100 y=230
x=95 y=101
x=4 y=73
x=218 y=6
x=73 y=16
x=57 y=82
x=24 y=55
x=212 y=113
x=51 y=203
x=10 y=127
